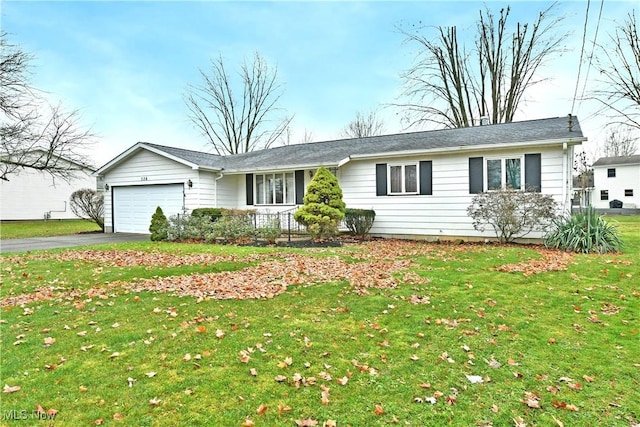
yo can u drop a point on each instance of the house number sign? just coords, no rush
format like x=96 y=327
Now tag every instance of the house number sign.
x=143 y=178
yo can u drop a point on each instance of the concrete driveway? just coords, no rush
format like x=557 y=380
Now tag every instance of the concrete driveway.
x=37 y=243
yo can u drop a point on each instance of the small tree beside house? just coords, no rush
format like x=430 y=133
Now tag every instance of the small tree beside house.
x=323 y=207
x=159 y=225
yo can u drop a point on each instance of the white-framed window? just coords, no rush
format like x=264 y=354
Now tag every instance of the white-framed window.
x=275 y=189
x=503 y=172
x=402 y=178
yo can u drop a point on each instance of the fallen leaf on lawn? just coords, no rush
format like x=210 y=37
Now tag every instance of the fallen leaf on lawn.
x=186 y=357
x=493 y=363
x=81 y=333
x=280 y=378
x=557 y=421
x=261 y=409
x=49 y=341
x=531 y=400
x=519 y=422
x=114 y=355
x=282 y=408
x=244 y=356
x=118 y=416
x=379 y=410
x=151 y=374
x=115 y=325
x=131 y=381
x=248 y=422
x=154 y=402
x=330 y=423
x=587 y=378
x=452 y=400
x=306 y=423
x=10 y=388
x=99 y=422
x=220 y=333
x=201 y=329
x=342 y=381
x=575 y=386
x=494 y=408
x=253 y=372
x=83 y=389
x=474 y=379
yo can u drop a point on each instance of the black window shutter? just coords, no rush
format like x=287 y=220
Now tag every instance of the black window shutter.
x=533 y=171
x=381 y=179
x=426 y=174
x=476 y=175
x=299 y=187
x=249 y=189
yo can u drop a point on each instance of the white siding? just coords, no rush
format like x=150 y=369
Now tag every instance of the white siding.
x=442 y=214
x=627 y=178
x=147 y=168
x=32 y=195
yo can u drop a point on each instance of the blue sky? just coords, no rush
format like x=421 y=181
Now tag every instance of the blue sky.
x=126 y=65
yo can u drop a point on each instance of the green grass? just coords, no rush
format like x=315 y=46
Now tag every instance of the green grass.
x=580 y=324
x=24 y=229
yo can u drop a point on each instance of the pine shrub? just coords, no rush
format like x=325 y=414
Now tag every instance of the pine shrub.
x=159 y=225
x=323 y=207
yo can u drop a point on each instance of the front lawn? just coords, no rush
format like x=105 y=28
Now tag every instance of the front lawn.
x=24 y=229
x=379 y=333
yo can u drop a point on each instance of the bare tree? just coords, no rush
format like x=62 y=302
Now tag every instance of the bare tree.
x=88 y=204
x=452 y=86
x=364 y=125
x=287 y=136
x=619 y=65
x=33 y=134
x=620 y=143
x=237 y=124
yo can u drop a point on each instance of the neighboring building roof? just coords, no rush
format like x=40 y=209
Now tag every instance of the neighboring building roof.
x=337 y=152
x=611 y=161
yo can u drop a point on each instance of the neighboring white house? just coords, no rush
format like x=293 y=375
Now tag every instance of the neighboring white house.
x=419 y=184
x=616 y=178
x=30 y=194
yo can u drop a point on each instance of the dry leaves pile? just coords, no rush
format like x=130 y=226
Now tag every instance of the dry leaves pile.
x=552 y=260
x=380 y=265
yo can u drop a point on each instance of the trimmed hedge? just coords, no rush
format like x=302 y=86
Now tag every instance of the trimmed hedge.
x=213 y=213
x=359 y=221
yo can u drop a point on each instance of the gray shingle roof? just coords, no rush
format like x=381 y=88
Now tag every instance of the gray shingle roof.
x=609 y=161
x=330 y=153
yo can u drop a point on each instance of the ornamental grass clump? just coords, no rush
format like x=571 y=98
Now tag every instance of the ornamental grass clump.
x=585 y=232
x=323 y=207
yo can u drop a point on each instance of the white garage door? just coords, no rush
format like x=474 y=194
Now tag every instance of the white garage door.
x=133 y=206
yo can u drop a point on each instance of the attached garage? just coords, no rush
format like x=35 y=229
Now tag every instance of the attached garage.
x=133 y=206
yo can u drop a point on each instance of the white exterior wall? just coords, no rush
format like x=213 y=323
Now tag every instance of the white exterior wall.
x=444 y=213
x=627 y=178
x=31 y=195
x=147 y=168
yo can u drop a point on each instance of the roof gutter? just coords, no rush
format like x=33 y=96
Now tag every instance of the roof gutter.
x=485 y=147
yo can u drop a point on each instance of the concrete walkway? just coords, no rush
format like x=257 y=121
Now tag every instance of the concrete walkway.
x=37 y=243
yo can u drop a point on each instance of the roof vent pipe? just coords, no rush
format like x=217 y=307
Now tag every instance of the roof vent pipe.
x=484 y=121
x=570 y=118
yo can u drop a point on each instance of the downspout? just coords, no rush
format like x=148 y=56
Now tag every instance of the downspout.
x=215 y=197
x=565 y=176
